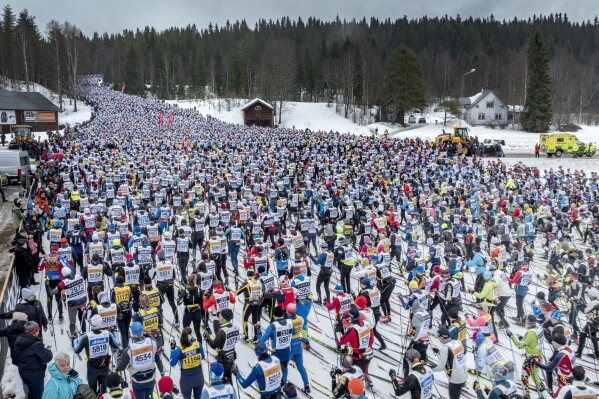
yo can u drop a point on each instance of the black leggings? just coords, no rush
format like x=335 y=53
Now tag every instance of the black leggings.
x=345 y=277
x=195 y=318
x=386 y=291
x=324 y=277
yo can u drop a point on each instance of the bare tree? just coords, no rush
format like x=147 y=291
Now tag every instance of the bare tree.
x=279 y=70
x=72 y=50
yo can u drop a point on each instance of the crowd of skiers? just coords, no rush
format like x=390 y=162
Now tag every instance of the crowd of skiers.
x=147 y=237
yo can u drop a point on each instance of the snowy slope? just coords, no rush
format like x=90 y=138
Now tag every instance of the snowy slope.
x=319 y=116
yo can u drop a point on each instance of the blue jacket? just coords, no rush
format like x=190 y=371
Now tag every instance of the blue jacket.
x=60 y=386
x=256 y=375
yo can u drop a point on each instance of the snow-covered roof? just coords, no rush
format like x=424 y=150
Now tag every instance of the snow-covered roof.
x=471 y=100
x=254 y=101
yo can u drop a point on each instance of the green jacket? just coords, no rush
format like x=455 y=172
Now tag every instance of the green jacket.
x=530 y=343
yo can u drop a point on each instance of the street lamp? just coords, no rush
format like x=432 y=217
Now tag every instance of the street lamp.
x=467 y=73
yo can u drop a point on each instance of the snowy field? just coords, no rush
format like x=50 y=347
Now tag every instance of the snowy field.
x=319 y=116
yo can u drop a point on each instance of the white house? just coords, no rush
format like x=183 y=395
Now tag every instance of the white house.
x=484 y=108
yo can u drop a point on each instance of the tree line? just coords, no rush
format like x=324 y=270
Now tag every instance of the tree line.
x=341 y=62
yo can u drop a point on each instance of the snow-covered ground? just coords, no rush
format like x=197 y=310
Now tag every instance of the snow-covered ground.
x=319 y=116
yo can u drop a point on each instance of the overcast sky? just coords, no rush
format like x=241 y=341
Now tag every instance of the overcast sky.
x=115 y=15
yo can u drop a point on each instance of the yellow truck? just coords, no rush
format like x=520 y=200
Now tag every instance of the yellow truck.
x=460 y=135
x=565 y=143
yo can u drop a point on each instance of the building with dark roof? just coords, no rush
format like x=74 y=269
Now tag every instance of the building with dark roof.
x=27 y=108
x=258 y=113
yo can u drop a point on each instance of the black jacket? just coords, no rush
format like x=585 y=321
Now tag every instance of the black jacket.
x=12 y=332
x=34 y=312
x=23 y=261
x=31 y=355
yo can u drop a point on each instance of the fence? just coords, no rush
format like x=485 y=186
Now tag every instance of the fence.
x=8 y=300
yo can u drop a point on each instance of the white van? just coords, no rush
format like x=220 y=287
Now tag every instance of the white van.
x=14 y=163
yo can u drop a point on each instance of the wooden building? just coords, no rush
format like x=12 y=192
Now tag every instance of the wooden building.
x=27 y=108
x=391 y=112
x=258 y=113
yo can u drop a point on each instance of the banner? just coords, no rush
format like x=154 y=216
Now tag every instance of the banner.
x=161 y=120
x=8 y=117
x=29 y=116
x=171 y=118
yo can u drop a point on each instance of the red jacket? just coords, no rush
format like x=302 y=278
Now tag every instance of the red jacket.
x=211 y=300
x=351 y=337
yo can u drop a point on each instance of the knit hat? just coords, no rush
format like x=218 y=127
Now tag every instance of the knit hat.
x=217 y=371
x=531 y=319
x=31 y=328
x=137 y=329
x=66 y=271
x=113 y=380
x=165 y=384
x=338 y=288
x=278 y=312
x=103 y=297
x=26 y=293
x=355 y=386
x=361 y=302
x=227 y=314
x=20 y=316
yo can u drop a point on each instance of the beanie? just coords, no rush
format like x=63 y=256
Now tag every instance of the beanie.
x=227 y=314
x=113 y=380
x=26 y=293
x=165 y=384
x=361 y=302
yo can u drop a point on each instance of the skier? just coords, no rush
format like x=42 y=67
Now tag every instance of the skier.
x=487 y=356
x=452 y=360
x=360 y=338
x=533 y=344
x=503 y=386
x=219 y=300
x=299 y=341
x=267 y=373
x=165 y=278
x=218 y=387
x=96 y=344
x=578 y=388
x=151 y=321
x=341 y=376
x=592 y=311
x=224 y=342
x=189 y=356
x=139 y=358
x=419 y=383
x=418 y=332
x=279 y=332
x=121 y=296
x=325 y=262
x=561 y=363
x=73 y=286
x=253 y=292
x=115 y=388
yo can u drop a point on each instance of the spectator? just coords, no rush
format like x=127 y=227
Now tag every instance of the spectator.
x=537 y=150
x=32 y=358
x=64 y=380
x=17 y=215
x=13 y=330
x=32 y=307
x=23 y=263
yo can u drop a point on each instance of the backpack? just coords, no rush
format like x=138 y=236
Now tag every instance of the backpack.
x=84 y=392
